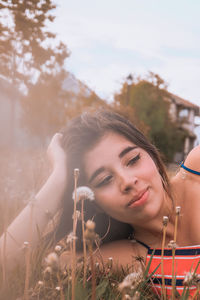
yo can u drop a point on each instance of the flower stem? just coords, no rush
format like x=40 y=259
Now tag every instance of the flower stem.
x=74 y=234
x=92 y=270
x=84 y=243
x=173 y=252
x=162 y=263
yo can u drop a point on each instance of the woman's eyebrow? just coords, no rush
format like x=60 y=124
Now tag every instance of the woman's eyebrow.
x=126 y=150
x=96 y=173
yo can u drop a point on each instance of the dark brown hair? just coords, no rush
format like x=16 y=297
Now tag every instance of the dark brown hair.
x=82 y=134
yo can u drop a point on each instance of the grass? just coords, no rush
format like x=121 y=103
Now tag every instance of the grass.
x=21 y=175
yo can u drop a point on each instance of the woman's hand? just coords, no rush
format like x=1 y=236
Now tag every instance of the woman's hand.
x=56 y=153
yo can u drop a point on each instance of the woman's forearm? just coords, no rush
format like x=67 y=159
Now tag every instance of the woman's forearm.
x=33 y=218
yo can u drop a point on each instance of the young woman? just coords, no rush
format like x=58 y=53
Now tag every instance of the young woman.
x=132 y=195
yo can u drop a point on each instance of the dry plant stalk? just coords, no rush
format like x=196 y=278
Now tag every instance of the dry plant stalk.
x=173 y=252
x=3 y=253
x=28 y=254
x=62 y=297
x=76 y=174
x=90 y=248
x=84 y=193
x=196 y=294
x=165 y=222
x=90 y=237
x=84 y=243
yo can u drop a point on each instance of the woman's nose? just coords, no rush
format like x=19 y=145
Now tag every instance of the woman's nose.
x=127 y=182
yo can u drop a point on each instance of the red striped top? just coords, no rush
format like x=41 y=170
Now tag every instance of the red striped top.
x=186 y=260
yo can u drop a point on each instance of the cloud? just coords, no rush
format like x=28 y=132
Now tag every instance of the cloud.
x=108 y=40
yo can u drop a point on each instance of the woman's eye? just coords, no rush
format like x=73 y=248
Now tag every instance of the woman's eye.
x=133 y=160
x=105 y=181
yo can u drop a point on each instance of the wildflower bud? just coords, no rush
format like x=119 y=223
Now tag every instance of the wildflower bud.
x=188 y=279
x=110 y=262
x=89 y=235
x=26 y=245
x=76 y=172
x=90 y=225
x=178 y=209
x=48 y=214
x=172 y=245
x=77 y=215
x=136 y=296
x=165 y=220
x=47 y=273
x=127 y=297
x=58 y=248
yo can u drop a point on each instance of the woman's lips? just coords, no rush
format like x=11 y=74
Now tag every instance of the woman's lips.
x=139 y=200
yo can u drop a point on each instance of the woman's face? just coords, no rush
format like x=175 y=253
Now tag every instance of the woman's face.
x=125 y=180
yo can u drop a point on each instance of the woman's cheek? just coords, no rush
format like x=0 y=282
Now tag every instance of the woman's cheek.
x=106 y=197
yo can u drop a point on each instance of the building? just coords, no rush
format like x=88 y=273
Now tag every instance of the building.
x=183 y=113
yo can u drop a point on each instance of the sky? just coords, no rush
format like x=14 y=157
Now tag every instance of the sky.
x=109 y=39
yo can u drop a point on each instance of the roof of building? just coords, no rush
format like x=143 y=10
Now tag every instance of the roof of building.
x=185 y=103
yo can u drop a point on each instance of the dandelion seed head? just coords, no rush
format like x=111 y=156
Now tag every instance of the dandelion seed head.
x=191 y=278
x=58 y=248
x=172 y=244
x=130 y=280
x=71 y=237
x=83 y=193
x=52 y=260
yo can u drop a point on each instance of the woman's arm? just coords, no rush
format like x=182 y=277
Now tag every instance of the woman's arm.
x=34 y=216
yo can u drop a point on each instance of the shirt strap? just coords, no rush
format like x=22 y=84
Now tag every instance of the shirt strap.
x=188 y=169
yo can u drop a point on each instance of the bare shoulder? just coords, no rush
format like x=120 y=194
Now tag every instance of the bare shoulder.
x=192 y=161
x=124 y=253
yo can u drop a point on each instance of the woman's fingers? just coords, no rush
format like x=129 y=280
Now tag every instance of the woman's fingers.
x=55 y=152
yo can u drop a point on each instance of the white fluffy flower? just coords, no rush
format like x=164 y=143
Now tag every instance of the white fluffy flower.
x=130 y=280
x=83 y=193
x=70 y=238
x=52 y=260
x=57 y=248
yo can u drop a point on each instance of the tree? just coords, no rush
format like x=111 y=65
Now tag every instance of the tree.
x=28 y=51
x=147 y=98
